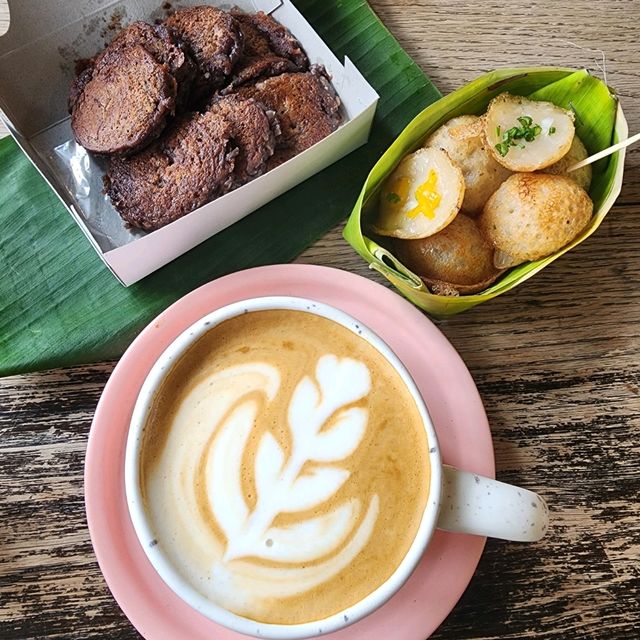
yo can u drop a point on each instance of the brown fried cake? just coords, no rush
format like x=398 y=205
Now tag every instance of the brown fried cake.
x=122 y=102
x=251 y=104
x=269 y=50
x=253 y=130
x=113 y=83
x=192 y=164
x=166 y=47
x=264 y=35
x=306 y=105
x=215 y=41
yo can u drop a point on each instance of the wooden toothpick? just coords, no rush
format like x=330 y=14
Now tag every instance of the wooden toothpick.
x=604 y=153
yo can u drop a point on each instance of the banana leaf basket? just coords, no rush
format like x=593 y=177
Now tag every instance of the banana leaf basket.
x=599 y=122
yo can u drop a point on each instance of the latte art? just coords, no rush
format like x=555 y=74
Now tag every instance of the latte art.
x=281 y=487
x=284 y=467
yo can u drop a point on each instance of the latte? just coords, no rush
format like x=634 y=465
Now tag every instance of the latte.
x=284 y=467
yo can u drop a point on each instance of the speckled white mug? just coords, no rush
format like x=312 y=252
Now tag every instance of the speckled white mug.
x=458 y=501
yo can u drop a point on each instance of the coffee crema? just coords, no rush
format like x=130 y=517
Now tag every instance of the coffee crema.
x=284 y=467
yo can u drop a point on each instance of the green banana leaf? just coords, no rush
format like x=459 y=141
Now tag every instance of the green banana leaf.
x=59 y=305
x=599 y=123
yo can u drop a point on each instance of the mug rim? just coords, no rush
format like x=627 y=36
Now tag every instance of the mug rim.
x=135 y=504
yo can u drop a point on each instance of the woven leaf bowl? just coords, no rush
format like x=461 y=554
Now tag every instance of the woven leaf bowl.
x=599 y=122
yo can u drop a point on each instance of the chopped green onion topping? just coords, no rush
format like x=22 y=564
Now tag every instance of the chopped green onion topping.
x=552 y=130
x=503 y=148
x=527 y=131
x=393 y=197
x=514 y=133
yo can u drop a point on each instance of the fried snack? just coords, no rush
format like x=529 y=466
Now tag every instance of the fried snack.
x=276 y=36
x=123 y=102
x=577 y=152
x=532 y=215
x=463 y=140
x=190 y=165
x=421 y=197
x=214 y=40
x=527 y=135
x=306 y=105
x=118 y=109
x=457 y=260
x=269 y=49
x=253 y=130
x=166 y=48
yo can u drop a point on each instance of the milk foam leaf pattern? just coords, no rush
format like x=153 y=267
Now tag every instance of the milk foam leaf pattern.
x=312 y=538
x=280 y=486
x=269 y=463
x=314 y=488
x=287 y=580
x=349 y=428
x=224 y=459
x=225 y=463
x=305 y=395
x=339 y=382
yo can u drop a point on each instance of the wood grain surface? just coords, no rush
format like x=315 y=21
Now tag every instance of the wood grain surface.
x=557 y=362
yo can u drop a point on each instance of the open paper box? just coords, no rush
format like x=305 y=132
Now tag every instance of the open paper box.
x=37 y=60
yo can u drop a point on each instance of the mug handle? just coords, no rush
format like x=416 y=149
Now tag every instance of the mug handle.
x=474 y=504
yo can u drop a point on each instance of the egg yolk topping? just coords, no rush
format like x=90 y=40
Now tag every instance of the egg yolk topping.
x=427 y=197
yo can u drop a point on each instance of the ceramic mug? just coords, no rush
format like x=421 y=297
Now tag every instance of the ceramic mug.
x=458 y=501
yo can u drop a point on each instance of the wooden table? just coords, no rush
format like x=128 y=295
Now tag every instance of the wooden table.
x=558 y=367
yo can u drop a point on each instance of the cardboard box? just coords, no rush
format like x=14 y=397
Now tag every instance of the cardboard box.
x=37 y=60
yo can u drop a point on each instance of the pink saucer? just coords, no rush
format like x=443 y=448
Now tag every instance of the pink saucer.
x=450 y=393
